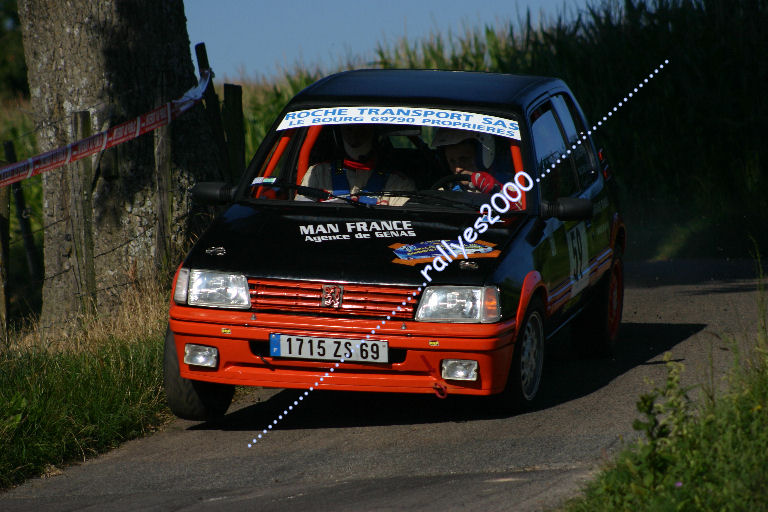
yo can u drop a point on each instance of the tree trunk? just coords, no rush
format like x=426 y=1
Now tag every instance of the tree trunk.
x=115 y=59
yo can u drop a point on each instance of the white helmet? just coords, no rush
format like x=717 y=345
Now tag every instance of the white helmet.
x=358 y=140
x=486 y=145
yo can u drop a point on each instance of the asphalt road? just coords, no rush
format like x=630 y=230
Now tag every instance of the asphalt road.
x=347 y=451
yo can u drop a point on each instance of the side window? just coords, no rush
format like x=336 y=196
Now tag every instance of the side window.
x=550 y=145
x=583 y=156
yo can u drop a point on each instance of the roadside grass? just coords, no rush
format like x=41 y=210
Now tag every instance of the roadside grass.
x=89 y=391
x=710 y=456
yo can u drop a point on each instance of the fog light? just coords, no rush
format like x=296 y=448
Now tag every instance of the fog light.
x=459 y=369
x=200 y=355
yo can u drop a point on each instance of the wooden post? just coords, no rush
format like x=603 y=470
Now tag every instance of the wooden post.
x=214 y=114
x=81 y=213
x=234 y=129
x=163 y=179
x=5 y=213
x=22 y=216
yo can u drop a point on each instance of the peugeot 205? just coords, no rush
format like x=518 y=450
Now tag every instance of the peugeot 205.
x=405 y=231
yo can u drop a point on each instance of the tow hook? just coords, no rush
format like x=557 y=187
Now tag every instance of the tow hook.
x=440 y=389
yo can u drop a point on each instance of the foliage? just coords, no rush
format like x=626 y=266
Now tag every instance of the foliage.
x=71 y=399
x=13 y=70
x=17 y=126
x=714 y=460
x=688 y=145
x=263 y=101
x=58 y=407
x=709 y=456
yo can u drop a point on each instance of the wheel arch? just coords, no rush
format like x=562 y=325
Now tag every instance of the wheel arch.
x=533 y=287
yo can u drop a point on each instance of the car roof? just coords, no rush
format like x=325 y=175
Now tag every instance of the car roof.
x=432 y=87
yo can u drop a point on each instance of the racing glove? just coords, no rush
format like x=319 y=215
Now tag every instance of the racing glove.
x=485 y=183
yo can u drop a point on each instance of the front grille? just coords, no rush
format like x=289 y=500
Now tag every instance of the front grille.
x=357 y=300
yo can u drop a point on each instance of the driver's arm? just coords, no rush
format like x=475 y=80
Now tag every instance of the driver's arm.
x=397 y=181
x=317 y=176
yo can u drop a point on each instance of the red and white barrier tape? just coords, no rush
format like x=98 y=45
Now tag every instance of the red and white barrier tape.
x=126 y=131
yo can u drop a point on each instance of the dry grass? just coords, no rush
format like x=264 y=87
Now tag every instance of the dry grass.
x=142 y=315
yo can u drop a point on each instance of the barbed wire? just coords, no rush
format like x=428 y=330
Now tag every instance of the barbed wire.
x=39 y=126
x=138 y=235
x=107 y=288
x=38 y=230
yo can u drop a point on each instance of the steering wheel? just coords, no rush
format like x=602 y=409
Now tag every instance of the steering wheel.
x=450 y=179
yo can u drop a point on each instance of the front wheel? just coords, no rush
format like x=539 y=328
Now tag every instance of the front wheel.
x=192 y=399
x=524 y=378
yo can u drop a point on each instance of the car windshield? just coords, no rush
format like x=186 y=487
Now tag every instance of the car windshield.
x=390 y=156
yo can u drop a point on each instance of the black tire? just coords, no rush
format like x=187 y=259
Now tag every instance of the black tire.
x=597 y=328
x=192 y=399
x=524 y=380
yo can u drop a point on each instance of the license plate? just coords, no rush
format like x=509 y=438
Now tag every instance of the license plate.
x=328 y=349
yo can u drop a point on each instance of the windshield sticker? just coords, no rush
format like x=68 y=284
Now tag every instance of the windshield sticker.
x=446 y=251
x=261 y=179
x=356 y=230
x=403 y=115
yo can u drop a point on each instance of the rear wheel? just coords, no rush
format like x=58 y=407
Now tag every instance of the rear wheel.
x=597 y=329
x=524 y=378
x=192 y=399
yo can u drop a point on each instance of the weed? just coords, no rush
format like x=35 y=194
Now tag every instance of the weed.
x=83 y=395
x=705 y=457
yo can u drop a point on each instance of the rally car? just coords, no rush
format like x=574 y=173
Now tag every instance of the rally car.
x=409 y=231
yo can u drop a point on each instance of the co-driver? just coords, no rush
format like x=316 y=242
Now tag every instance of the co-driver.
x=470 y=153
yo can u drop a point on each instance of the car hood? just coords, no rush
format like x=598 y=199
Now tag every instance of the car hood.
x=342 y=243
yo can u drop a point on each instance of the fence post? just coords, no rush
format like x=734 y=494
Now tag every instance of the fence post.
x=212 y=110
x=81 y=211
x=234 y=128
x=5 y=213
x=33 y=260
x=163 y=178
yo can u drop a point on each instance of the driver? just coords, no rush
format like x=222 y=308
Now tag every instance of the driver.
x=359 y=170
x=469 y=153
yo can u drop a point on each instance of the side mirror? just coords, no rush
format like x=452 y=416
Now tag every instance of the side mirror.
x=213 y=192
x=567 y=208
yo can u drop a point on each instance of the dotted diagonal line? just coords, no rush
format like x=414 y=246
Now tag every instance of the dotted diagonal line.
x=423 y=285
x=604 y=119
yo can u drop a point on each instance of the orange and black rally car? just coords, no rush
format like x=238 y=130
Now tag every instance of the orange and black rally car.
x=402 y=231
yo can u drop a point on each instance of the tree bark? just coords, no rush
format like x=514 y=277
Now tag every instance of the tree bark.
x=113 y=58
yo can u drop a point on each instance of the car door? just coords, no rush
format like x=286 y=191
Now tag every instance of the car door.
x=590 y=183
x=562 y=252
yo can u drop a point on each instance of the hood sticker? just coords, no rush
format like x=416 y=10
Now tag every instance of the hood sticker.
x=425 y=252
x=359 y=230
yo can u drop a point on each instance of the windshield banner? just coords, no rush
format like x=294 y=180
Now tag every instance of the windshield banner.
x=403 y=115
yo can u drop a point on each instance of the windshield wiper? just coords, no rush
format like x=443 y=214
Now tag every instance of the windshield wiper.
x=312 y=192
x=423 y=195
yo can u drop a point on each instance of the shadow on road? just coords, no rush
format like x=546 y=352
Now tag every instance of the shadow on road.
x=565 y=378
x=652 y=274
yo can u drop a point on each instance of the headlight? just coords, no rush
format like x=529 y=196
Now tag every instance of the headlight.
x=217 y=289
x=459 y=304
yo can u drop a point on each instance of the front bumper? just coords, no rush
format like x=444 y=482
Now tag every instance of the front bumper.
x=416 y=350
